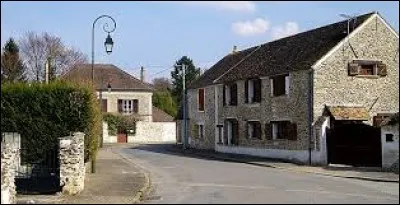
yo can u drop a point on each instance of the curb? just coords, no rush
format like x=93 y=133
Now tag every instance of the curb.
x=298 y=171
x=147 y=184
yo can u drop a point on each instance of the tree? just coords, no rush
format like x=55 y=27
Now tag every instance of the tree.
x=177 y=81
x=162 y=84
x=37 y=49
x=12 y=67
x=165 y=101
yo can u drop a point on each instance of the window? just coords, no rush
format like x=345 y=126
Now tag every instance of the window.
x=104 y=105
x=201 y=99
x=231 y=133
x=281 y=130
x=389 y=138
x=220 y=133
x=254 y=130
x=128 y=106
x=367 y=68
x=280 y=85
x=201 y=131
x=252 y=91
x=230 y=94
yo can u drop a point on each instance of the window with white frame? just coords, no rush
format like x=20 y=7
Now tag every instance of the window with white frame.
x=254 y=129
x=128 y=106
x=280 y=85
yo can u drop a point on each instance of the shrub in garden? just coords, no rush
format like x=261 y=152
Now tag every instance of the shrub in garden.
x=42 y=113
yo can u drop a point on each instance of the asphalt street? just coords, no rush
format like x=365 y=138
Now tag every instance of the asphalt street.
x=181 y=179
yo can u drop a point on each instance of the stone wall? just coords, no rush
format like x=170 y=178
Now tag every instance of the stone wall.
x=205 y=118
x=390 y=149
x=292 y=107
x=333 y=85
x=9 y=164
x=153 y=132
x=144 y=98
x=72 y=166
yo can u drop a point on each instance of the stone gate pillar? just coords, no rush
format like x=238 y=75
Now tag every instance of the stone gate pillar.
x=72 y=165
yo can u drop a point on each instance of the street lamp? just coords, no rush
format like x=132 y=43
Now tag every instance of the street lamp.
x=108 y=44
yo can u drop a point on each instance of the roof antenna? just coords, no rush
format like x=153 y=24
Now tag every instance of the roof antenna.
x=349 y=18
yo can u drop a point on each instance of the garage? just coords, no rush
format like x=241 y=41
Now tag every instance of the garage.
x=350 y=140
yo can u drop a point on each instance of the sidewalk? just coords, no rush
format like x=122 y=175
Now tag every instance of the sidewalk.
x=116 y=181
x=361 y=173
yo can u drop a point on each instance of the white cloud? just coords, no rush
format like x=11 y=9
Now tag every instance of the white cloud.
x=251 y=28
x=289 y=29
x=247 y=6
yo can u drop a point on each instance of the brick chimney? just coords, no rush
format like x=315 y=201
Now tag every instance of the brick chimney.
x=142 y=74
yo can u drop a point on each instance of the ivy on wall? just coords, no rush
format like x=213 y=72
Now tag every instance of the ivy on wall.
x=121 y=122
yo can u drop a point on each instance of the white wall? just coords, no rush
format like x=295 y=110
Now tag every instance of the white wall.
x=298 y=156
x=108 y=138
x=390 y=150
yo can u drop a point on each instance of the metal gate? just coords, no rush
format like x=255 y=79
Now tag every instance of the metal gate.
x=354 y=144
x=38 y=172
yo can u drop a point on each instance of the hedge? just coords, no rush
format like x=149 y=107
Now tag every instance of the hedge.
x=42 y=113
x=118 y=121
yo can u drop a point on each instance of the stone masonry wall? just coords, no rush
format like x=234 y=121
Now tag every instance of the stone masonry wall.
x=9 y=164
x=292 y=107
x=72 y=166
x=333 y=85
x=206 y=118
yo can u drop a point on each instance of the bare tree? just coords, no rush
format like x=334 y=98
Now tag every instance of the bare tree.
x=37 y=49
x=162 y=84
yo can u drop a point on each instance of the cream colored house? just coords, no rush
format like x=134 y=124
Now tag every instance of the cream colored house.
x=124 y=94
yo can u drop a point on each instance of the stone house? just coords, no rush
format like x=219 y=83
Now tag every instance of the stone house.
x=295 y=97
x=124 y=94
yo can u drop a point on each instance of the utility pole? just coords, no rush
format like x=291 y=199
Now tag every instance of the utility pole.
x=185 y=137
x=47 y=70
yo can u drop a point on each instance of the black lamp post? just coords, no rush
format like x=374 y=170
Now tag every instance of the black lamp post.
x=108 y=44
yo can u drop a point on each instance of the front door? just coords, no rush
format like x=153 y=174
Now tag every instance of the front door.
x=122 y=136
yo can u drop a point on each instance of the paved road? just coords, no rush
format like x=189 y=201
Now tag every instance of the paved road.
x=180 y=179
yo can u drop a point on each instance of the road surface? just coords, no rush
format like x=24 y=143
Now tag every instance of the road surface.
x=181 y=179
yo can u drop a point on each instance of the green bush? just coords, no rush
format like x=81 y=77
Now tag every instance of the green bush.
x=42 y=113
x=118 y=121
x=166 y=102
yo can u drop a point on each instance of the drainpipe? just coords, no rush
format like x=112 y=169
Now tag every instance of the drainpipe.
x=310 y=113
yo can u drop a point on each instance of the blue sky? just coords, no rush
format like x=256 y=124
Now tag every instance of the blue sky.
x=156 y=34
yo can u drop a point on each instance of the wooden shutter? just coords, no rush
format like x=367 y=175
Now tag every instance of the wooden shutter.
x=382 y=71
x=257 y=90
x=292 y=131
x=135 y=106
x=223 y=96
x=119 y=106
x=268 y=131
x=234 y=94
x=201 y=99
x=104 y=105
x=353 y=69
x=246 y=91
x=235 y=132
x=257 y=130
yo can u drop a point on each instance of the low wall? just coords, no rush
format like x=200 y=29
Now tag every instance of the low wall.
x=72 y=165
x=9 y=162
x=296 y=156
x=390 y=149
x=153 y=132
